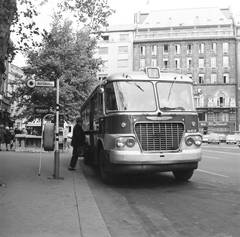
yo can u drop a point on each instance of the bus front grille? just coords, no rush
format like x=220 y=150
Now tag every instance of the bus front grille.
x=159 y=136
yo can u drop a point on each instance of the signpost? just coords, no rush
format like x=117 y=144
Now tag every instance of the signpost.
x=31 y=83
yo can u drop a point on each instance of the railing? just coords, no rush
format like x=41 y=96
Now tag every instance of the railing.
x=174 y=34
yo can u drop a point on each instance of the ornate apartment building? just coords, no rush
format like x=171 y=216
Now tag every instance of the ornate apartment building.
x=202 y=43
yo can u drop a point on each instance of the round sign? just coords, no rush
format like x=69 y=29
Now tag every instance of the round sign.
x=31 y=83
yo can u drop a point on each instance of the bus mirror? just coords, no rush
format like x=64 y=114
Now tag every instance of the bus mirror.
x=100 y=90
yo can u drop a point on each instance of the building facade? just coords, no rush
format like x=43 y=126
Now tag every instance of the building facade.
x=115 y=48
x=203 y=43
x=4 y=99
x=14 y=74
x=200 y=43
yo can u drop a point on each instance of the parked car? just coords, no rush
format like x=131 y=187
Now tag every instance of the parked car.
x=238 y=143
x=222 y=137
x=205 y=138
x=213 y=138
x=231 y=139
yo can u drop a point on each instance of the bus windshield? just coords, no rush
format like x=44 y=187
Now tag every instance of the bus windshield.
x=175 y=96
x=130 y=96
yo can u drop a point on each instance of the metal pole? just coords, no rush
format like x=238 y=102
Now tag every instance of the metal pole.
x=56 y=152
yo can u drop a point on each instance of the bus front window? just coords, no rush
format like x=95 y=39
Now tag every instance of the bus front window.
x=175 y=96
x=130 y=96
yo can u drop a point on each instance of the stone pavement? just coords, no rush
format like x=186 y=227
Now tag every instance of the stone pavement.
x=33 y=205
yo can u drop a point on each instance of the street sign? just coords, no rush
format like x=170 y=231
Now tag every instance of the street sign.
x=42 y=110
x=45 y=83
x=31 y=83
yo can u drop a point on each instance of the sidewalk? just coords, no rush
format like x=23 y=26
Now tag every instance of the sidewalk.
x=39 y=206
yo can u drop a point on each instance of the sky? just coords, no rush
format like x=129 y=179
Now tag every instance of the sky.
x=125 y=10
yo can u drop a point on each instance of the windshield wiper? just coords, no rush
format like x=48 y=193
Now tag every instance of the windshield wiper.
x=170 y=90
x=127 y=76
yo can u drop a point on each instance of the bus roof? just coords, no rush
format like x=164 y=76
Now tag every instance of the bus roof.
x=141 y=75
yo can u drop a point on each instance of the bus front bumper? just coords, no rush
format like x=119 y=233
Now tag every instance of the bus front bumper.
x=135 y=162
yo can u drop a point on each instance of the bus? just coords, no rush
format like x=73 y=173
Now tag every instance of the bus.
x=142 y=122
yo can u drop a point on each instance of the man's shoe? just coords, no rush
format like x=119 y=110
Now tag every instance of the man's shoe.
x=71 y=168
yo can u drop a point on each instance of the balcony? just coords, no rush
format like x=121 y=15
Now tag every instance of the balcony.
x=184 y=34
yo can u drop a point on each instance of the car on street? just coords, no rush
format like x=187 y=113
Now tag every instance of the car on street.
x=205 y=138
x=213 y=138
x=222 y=137
x=231 y=139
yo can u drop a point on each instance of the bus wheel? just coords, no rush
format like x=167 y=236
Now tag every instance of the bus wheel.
x=183 y=175
x=107 y=176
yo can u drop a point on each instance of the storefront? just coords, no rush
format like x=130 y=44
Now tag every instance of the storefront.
x=216 y=127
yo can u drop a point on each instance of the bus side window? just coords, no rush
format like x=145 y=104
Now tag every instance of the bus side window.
x=110 y=98
x=100 y=105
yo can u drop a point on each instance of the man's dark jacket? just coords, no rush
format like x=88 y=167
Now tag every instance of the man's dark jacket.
x=78 y=138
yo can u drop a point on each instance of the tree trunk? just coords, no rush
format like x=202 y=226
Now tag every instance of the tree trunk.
x=7 y=10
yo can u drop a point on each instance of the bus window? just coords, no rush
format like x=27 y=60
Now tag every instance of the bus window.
x=131 y=96
x=175 y=96
x=110 y=99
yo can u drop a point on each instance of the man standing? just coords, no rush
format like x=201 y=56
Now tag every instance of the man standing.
x=78 y=139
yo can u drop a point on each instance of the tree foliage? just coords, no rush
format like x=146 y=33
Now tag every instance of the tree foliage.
x=67 y=55
x=63 y=53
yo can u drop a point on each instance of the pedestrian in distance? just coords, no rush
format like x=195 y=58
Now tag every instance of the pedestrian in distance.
x=12 y=137
x=78 y=140
x=8 y=137
x=2 y=136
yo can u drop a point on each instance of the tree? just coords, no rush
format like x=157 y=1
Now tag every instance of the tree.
x=7 y=10
x=62 y=54
x=67 y=55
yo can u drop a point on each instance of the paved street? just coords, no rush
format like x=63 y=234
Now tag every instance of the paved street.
x=158 y=205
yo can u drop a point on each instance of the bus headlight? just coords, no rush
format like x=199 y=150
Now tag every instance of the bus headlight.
x=125 y=141
x=197 y=140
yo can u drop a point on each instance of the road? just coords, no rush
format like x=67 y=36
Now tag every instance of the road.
x=158 y=205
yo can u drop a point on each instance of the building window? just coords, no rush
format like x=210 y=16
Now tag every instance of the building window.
x=177 y=63
x=103 y=50
x=225 y=78
x=122 y=49
x=142 y=50
x=105 y=37
x=221 y=100
x=165 y=48
x=154 y=50
x=122 y=63
x=142 y=64
x=213 y=47
x=189 y=62
x=201 y=48
x=213 y=78
x=213 y=62
x=201 y=79
x=225 y=47
x=177 y=49
x=219 y=116
x=154 y=62
x=165 y=63
x=225 y=61
x=189 y=48
x=201 y=62
x=202 y=116
x=123 y=37
x=197 y=101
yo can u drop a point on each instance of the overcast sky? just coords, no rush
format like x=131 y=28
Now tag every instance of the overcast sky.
x=125 y=10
